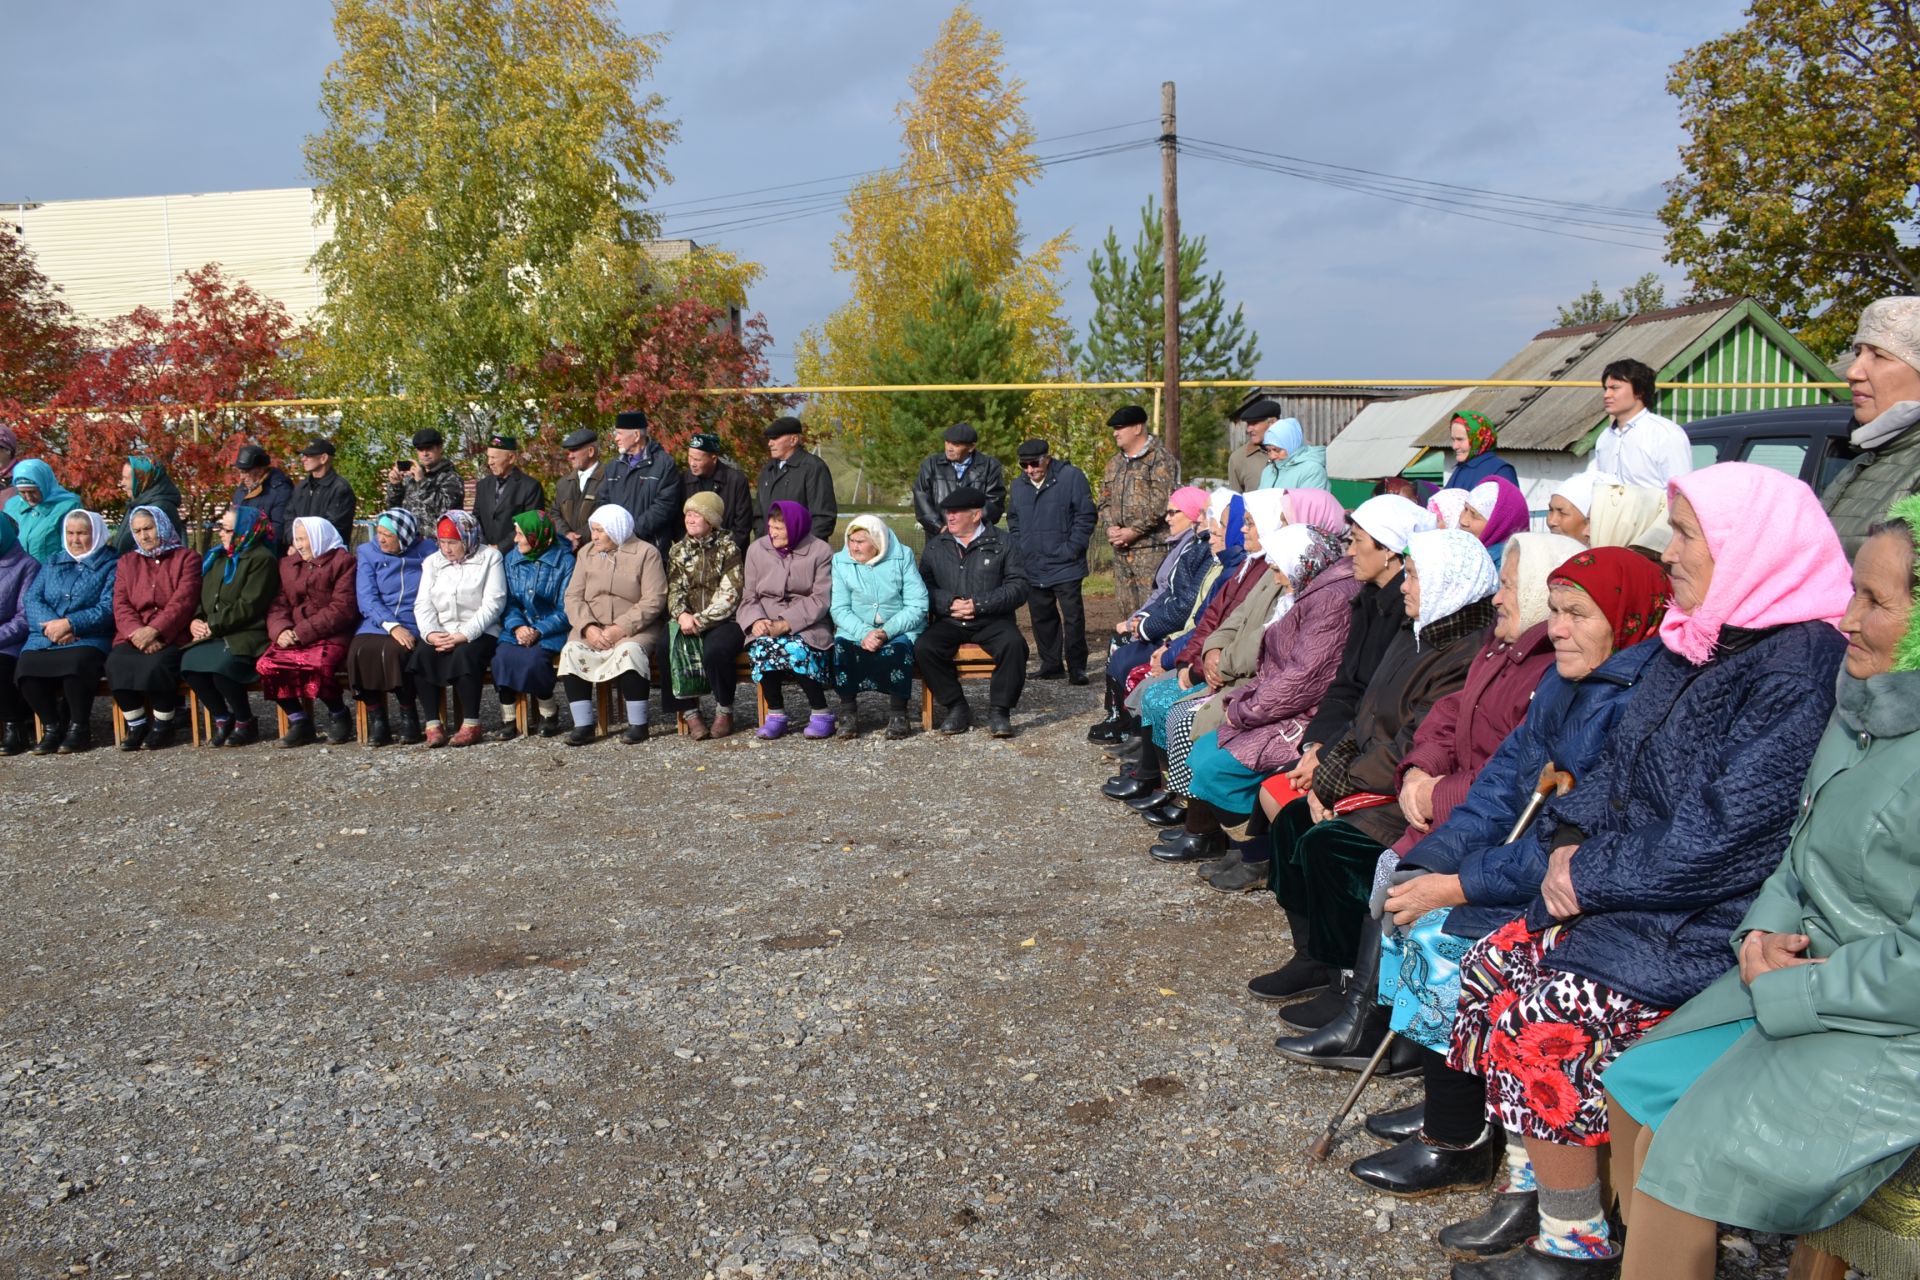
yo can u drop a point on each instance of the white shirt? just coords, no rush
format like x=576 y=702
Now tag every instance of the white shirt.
x=1646 y=451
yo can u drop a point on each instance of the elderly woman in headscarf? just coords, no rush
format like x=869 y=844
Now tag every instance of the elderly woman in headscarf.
x=39 y=508
x=1263 y=720
x=17 y=572
x=1652 y=860
x=239 y=578
x=69 y=610
x=1627 y=516
x=146 y=484
x=386 y=584
x=1495 y=511
x=534 y=627
x=1292 y=463
x=705 y=573
x=1179 y=586
x=879 y=607
x=309 y=626
x=457 y=611
x=1461 y=881
x=1570 y=505
x=1783 y=1095
x=1326 y=844
x=786 y=609
x=155 y=592
x=1473 y=439
x=617 y=603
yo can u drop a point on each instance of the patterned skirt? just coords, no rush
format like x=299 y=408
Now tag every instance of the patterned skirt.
x=304 y=671
x=1420 y=980
x=597 y=666
x=1158 y=698
x=888 y=671
x=1541 y=1037
x=789 y=656
x=1180 y=743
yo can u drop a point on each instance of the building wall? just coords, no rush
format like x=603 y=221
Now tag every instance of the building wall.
x=1744 y=354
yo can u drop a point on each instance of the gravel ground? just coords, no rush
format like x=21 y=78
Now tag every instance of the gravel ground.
x=918 y=1009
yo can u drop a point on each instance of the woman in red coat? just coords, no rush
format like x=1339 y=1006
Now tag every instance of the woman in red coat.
x=156 y=588
x=308 y=628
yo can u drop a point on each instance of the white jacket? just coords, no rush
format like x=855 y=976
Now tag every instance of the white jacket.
x=469 y=597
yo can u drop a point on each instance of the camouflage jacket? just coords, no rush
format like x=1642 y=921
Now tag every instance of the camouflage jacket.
x=1134 y=491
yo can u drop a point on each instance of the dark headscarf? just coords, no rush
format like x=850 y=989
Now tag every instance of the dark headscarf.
x=250 y=528
x=799 y=524
x=1630 y=590
x=539 y=531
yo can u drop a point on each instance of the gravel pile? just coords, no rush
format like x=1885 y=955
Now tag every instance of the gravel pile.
x=731 y=1010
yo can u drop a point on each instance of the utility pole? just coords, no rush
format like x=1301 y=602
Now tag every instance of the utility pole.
x=1170 y=269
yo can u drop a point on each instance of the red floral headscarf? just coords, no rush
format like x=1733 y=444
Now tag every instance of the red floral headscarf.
x=1630 y=589
x=1481 y=435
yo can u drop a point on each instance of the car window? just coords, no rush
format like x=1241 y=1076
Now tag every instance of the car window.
x=1838 y=456
x=1705 y=453
x=1782 y=455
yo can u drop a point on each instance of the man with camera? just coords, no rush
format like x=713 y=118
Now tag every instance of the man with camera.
x=432 y=488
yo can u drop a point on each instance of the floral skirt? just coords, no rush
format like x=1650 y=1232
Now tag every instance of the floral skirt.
x=304 y=671
x=789 y=656
x=888 y=671
x=1420 y=980
x=1541 y=1037
x=1158 y=698
x=597 y=666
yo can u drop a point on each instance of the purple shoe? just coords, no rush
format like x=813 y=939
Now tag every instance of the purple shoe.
x=819 y=725
x=775 y=726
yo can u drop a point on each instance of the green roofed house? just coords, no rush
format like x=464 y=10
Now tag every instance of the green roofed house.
x=1547 y=432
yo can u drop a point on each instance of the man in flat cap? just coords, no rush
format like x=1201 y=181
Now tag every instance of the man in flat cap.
x=959 y=462
x=578 y=492
x=1884 y=378
x=975 y=587
x=793 y=474
x=266 y=487
x=645 y=480
x=1050 y=521
x=430 y=485
x=708 y=472
x=323 y=492
x=1139 y=479
x=1247 y=462
x=504 y=492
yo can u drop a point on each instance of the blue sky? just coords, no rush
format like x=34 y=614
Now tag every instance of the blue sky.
x=1546 y=99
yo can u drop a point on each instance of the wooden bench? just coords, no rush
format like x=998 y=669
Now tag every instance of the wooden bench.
x=970 y=663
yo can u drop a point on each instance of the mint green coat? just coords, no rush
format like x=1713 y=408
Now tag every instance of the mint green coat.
x=1806 y=1113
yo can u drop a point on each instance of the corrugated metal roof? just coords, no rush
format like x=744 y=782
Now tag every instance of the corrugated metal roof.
x=1323 y=411
x=1382 y=439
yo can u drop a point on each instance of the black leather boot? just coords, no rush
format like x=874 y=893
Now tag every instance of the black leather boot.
x=1347 y=1042
x=1107 y=729
x=1416 y=1168
x=52 y=734
x=136 y=735
x=1527 y=1263
x=1509 y=1222
x=19 y=737
x=160 y=733
x=1396 y=1126
x=1311 y=1015
x=1171 y=812
x=1128 y=783
x=340 y=728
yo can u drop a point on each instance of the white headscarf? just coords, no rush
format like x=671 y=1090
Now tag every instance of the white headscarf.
x=614 y=521
x=1578 y=490
x=876 y=529
x=1540 y=554
x=95 y=523
x=1483 y=498
x=1392 y=520
x=1454 y=571
x=1268 y=510
x=1217 y=502
x=322 y=537
x=1284 y=553
x=1446 y=507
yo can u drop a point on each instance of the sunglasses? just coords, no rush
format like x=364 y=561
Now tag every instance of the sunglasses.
x=1032 y=464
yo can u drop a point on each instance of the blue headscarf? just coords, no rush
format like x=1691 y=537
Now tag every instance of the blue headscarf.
x=1235 y=549
x=169 y=536
x=250 y=527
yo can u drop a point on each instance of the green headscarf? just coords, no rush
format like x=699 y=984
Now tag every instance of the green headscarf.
x=539 y=531
x=145 y=472
x=1906 y=654
x=1481 y=435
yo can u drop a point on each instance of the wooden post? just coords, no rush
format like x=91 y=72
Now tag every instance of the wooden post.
x=1170 y=269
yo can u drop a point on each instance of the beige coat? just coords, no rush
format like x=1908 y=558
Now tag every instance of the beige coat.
x=627 y=589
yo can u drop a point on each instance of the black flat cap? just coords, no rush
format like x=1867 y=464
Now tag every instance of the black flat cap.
x=962 y=433
x=1032 y=449
x=250 y=457
x=630 y=420
x=1130 y=415
x=1260 y=411
x=783 y=427
x=428 y=438
x=503 y=442
x=318 y=447
x=580 y=439
x=965 y=498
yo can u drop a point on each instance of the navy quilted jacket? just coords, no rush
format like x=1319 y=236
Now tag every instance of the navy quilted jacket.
x=1567 y=723
x=1688 y=810
x=1167 y=611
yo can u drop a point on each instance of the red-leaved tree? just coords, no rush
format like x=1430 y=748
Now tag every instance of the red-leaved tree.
x=147 y=387
x=40 y=340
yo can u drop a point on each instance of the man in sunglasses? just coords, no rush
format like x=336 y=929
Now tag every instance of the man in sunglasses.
x=1050 y=517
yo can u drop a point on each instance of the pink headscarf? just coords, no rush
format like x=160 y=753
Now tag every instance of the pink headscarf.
x=1189 y=502
x=1776 y=558
x=1318 y=508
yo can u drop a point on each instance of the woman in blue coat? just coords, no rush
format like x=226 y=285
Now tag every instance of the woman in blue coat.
x=1473 y=440
x=534 y=628
x=69 y=631
x=386 y=582
x=879 y=608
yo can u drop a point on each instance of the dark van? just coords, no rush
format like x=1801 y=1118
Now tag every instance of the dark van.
x=1808 y=441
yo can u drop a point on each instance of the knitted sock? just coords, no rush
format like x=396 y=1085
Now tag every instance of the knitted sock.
x=582 y=711
x=134 y=722
x=295 y=717
x=1572 y=1224
x=468 y=720
x=636 y=712
x=1519 y=1168
x=433 y=724
x=548 y=707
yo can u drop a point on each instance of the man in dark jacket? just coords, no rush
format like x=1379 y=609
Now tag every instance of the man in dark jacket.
x=324 y=492
x=793 y=474
x=429 y=486
x=959 y=462
x=975 y=587
x=645 y=481
x=1050 y=521
x=266 y=487
x=708 y=472
x=504 y=492
x=578 y=492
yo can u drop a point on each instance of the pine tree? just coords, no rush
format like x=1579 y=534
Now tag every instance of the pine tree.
x=1127 y=330
x=964 y=336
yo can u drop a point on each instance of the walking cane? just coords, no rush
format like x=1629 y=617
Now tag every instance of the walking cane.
x=1553 y=782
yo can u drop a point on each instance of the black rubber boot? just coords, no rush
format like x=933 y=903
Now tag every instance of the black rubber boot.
x=1397 y=1125
x=1509 y=1222
x=1416 y=1167
x=1347 y=1042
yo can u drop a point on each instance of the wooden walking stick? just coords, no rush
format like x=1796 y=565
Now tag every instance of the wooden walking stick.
x=1553 y=782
